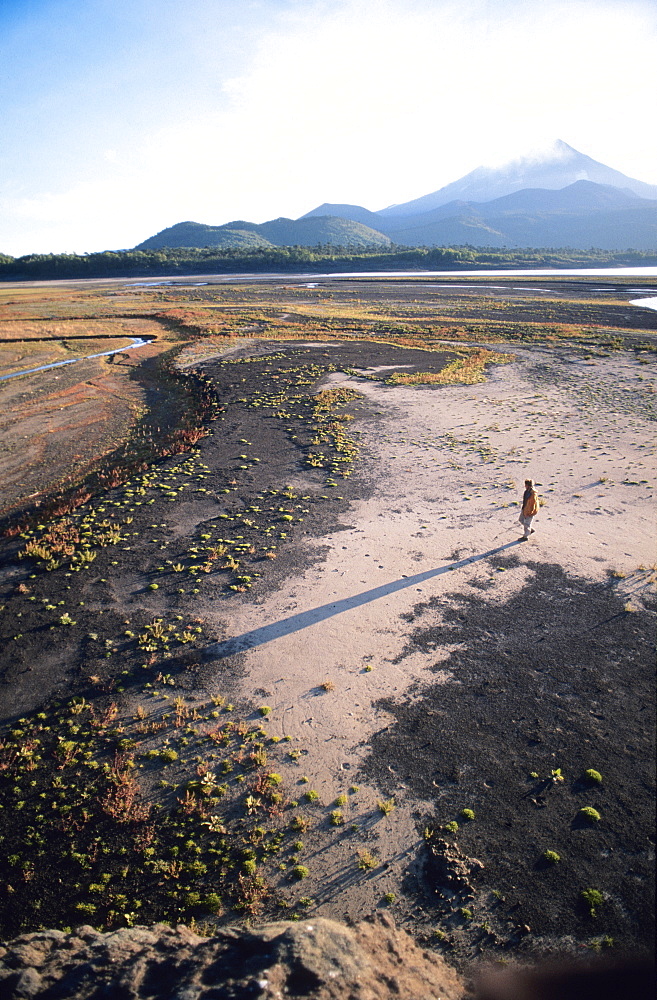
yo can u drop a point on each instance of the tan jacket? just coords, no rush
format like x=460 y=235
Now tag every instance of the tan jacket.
x=530 y=504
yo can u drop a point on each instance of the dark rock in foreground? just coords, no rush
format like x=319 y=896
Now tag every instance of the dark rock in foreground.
x=312 y=958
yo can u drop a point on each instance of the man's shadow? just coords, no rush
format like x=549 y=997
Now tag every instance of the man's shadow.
x=304 y=619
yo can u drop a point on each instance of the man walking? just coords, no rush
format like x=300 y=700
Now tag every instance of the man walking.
x=530 y=506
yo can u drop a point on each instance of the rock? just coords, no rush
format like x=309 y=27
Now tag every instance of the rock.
x=28 y=984
x=449 y=867
x=315 y=952
x=319 y=959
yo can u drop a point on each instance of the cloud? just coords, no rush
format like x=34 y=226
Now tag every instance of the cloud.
x=374 y=102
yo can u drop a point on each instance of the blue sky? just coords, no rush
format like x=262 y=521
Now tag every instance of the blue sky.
x=121 y=117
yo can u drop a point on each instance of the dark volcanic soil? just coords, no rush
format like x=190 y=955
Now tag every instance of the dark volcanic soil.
x=559 y=678
x=257 y=448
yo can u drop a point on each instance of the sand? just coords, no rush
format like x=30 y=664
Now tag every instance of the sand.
x=446 y=468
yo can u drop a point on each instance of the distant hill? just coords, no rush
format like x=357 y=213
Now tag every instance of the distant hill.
x=354 y=212
x=195 y=234
x=582 y=196
x=564 y=199
x=616 y=230
x=322 y=230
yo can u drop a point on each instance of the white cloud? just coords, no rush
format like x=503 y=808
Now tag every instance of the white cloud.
x=375 y=102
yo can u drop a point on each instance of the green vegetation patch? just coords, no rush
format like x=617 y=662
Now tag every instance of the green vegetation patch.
x=81 y=841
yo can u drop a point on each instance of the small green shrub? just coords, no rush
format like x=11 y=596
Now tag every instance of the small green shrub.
x=605 y=942
x=451 y=827
x=593 y=776
x=551 y=856
x=590 y=814
x=212 y=902
x=593 y=899
x=300 y=871
x=467 y=814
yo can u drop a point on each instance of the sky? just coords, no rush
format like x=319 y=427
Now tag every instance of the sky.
x=122 y=117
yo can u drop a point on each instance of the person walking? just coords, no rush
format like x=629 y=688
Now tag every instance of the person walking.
x=530 y=508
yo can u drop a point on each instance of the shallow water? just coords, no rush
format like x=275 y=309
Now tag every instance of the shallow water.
x=650 y=303
x=598 y=272
x=136 y=342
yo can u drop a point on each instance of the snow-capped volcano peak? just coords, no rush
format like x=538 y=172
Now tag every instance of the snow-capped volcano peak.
x=554 y=167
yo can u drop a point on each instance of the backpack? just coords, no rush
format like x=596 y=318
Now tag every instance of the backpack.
x=531 y=505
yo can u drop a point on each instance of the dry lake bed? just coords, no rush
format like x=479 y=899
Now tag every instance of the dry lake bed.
x=285 y=652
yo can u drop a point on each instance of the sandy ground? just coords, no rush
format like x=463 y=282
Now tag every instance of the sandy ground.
x=56 y=425
x=447 y=468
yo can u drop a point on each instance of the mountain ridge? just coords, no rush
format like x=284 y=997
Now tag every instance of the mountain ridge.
x=564 y=199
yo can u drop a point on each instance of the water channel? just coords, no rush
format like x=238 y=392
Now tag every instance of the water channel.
x=136 y=342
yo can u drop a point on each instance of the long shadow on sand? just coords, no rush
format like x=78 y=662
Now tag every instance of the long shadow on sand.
x=304 y=619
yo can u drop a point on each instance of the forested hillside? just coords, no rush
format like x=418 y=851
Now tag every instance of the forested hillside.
x=311 y=231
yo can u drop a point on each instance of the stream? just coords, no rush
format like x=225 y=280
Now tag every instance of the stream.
x=136 y=342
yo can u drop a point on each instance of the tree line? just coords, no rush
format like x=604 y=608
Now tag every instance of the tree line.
x=210 y=260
